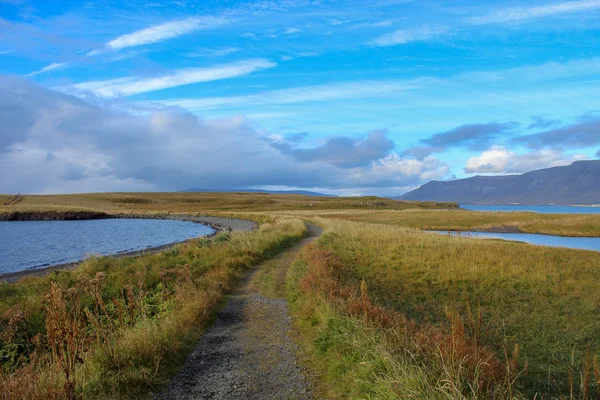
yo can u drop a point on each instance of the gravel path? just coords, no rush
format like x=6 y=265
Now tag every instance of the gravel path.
x=247 y=353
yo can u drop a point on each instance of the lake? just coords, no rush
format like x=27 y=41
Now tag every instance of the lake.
x=581 y=243
x=37 y=244
x=537 y=209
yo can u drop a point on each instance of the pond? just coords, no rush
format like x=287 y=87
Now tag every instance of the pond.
x=581 y=243
x=37 y=244
x=537 y=209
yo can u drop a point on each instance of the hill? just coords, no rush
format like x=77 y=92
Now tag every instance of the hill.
x=301 y=192
x=578 y=183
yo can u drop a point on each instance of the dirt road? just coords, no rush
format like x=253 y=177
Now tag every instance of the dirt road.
x=247 y=353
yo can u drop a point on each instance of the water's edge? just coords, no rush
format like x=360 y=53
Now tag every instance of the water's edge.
x=218 y=224
x=566 y=242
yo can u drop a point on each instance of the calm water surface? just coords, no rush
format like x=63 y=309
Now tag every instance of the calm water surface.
x=37 y=244
x=582 y=243
x=538 y=209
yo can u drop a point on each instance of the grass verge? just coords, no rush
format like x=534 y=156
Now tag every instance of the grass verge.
x=120 y=327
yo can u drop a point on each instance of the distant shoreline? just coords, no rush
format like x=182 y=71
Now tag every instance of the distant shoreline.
x=219 y=224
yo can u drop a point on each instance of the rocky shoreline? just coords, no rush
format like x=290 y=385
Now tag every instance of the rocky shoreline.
x=217 y=223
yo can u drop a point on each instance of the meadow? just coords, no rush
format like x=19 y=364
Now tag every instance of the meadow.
x=577 y=225
x=383 y=309
x=120 y=327
x=391 y=311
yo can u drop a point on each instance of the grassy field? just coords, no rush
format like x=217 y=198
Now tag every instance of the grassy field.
x=383 y=309
x=205 y=202
x=462 y=220
x=390 y=311
x=119 y=327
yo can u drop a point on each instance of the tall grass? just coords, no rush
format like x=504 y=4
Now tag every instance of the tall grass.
x=120 y=327
x=517 y=318
x=369 y=351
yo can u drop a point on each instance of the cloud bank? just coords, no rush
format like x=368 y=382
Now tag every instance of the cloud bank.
x=52 y=142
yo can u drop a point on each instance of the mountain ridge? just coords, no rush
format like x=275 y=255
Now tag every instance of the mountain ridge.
x=577 y=183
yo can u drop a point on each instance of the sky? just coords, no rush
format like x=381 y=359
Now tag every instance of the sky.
x=337 y=96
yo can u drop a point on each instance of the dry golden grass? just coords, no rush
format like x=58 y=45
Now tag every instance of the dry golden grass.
x=204 y=202
x=385 y=309
x=118 y=327
x=536 y=308
x=463 y=220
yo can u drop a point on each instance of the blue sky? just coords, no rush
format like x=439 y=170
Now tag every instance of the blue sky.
x=344 y=97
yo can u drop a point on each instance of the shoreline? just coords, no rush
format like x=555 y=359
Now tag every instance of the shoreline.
x=218 y=224
x=512 y=229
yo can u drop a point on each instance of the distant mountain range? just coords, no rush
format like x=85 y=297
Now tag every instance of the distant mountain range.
x=302 y=192
x=578 y=183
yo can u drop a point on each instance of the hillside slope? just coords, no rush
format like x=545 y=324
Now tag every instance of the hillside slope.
x=578 y=183
x=301 y=192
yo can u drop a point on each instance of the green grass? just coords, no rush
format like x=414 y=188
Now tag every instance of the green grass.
x=120 y=327
x=545 y=300
x=358 y=349
x=383 y=309
x=464 y=220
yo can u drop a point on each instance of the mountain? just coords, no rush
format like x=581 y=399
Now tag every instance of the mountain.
x=578 y=183
x=301 y=192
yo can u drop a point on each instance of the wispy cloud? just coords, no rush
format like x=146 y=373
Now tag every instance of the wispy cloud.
x=403 y=36
x=314 y=93
x=290 y=31
x=524 y=13
x=159 y=33
x=214 y=52
x=379 y=24
x=134 y=85
x=48 y=68
x=6 y=52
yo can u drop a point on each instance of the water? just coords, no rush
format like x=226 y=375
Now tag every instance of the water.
x=36 y=244
x=537 y=209
x=582 y=243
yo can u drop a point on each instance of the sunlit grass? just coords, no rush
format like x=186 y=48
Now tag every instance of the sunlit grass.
x=119 y=327
x=545 y=300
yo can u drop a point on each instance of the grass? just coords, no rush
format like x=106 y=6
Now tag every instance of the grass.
x=529 y=314
x=384 y=310
x=587 y=225
x=120 y=327
x=206 y=202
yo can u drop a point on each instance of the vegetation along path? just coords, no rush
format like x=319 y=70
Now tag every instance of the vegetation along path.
x=247 y=353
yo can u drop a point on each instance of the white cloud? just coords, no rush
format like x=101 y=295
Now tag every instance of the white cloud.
x=524 y=13
x=403 y=36
x=214 y=52
x=134 y=85
x=378 y=24
x=290 y=31
x=499 y=159
x=4 y=52
x=48 y=68
x=56 y=143
x=315 y=93
x=159 y=33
